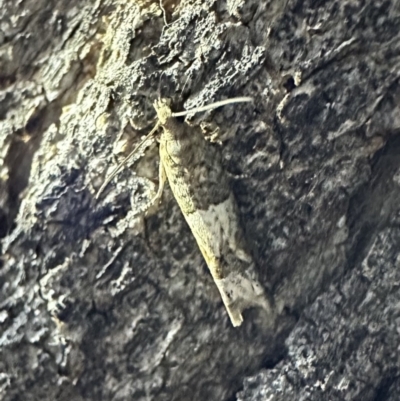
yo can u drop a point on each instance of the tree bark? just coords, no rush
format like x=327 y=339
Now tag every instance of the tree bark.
x=101 y=301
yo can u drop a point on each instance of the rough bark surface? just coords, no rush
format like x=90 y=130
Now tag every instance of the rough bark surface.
x=98 y=301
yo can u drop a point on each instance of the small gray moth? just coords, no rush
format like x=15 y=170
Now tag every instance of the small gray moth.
x=193 y=168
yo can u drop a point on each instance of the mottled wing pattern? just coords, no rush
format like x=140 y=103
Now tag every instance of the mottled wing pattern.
x=194 y=171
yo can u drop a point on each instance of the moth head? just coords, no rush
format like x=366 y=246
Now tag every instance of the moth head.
x=163 y=110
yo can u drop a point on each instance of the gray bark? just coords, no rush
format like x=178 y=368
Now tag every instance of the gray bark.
x=102 y=302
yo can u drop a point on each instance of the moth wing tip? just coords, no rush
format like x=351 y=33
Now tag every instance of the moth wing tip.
x=236 y=316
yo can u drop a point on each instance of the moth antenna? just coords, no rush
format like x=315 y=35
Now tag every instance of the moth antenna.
x=213 y=106
x=164 y=13
x=126 y=160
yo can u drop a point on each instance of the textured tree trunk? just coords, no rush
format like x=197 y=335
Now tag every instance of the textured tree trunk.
x=102 y=301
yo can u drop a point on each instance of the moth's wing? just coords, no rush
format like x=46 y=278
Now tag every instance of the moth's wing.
x=218 y=234
x=200 y=185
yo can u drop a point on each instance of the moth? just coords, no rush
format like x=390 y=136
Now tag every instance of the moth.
x=193 y=168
